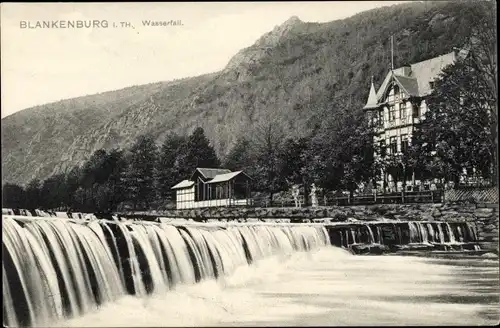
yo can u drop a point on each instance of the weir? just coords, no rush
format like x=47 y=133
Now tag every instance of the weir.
x=56 y=268
x=379 y=237
x=60 y=268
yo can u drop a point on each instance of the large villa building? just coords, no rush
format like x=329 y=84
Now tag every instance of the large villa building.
x=399 y=105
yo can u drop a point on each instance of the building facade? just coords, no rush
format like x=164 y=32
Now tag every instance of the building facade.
x=209 y=187
x=397 y=107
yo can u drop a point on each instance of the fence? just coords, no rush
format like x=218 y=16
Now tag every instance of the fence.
x=478 y=195
x=406 y=197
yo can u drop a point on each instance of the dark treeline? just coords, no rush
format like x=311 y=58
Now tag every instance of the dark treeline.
x=139 y=177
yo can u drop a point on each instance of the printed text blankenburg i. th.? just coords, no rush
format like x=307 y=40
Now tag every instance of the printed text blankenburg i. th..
x=65 y=24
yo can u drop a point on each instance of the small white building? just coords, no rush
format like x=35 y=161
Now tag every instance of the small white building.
x=209 y=187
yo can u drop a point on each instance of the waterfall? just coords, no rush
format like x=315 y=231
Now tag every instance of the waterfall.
x=353 y=236
x=432 y=233
x=471 y=228
x=55 y=269
x=460 y=234
x=414 y=236
x=370 y=233
x=441 y=234
x=423 y=232
x=379 y=233
x=450 y=233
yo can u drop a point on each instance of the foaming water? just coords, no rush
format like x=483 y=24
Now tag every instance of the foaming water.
x=54 y=270
x=328 y=286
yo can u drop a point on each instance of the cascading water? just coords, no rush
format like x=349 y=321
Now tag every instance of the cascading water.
x=450 y=233
x=370 y=233
x=61 y=269
x=440 y=233
x=441 y=236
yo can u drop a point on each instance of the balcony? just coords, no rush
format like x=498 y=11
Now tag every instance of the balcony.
x=399 y=122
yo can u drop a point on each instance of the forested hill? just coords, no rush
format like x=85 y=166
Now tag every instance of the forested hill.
x=290 y=76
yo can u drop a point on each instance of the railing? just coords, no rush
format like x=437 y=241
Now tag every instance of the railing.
x=408 y=119
x=404 y=197
x=477 y=194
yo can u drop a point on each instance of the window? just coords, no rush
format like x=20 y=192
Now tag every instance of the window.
x=381 y=118
x=431 y=84
x=416 y=111
x=402 y=110
x=392 y=113
x=396 y=91
x=382 y=148
x=393 y=145
x=404 y=143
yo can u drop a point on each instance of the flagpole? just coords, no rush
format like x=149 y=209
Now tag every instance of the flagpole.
x=392 y=52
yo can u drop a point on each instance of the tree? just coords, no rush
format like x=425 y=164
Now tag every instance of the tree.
x=198 y=153
x=169 y=171
x=115 y=182
x=458 y=125
x=341 y=152
x=240 y=156
x=95 y=169
x=54 y=192
x=140 y=174
x=104 y=201
x=482 y=61
x=103 y=168
x=33 y=194
x=293 y=159
x=73 y=182
x=13 y=196
x=295 y=163
x=357 y=159
x=268 y=142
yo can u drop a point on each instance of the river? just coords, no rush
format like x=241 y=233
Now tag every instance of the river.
x=328 y=286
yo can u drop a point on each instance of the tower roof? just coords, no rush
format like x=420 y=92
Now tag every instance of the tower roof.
x=372 y=98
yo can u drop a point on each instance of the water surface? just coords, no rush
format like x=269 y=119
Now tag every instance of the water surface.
x=324 y=287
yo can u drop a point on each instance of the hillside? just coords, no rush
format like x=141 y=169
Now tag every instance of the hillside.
x=290 y=76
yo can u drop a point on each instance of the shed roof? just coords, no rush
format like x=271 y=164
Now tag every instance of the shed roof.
x=183 y=184
x=226 y=177
x=209 y=173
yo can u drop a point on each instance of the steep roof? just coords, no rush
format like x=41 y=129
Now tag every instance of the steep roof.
x=372 y=98
x=428 y=70
x=211 y=173
x=415 y=79
x=410 y=85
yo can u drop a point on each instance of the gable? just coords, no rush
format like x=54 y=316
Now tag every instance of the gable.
x=207 y=173
x=415 y=80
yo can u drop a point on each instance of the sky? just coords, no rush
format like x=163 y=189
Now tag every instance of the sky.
x=42 y=65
